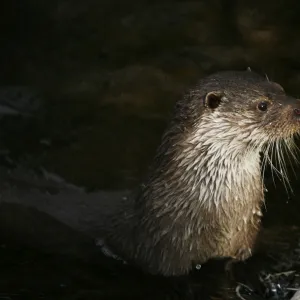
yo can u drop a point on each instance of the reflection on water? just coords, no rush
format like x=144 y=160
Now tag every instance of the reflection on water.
x=107 y=74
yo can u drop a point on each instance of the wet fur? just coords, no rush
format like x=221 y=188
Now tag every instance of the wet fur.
x=204 y=193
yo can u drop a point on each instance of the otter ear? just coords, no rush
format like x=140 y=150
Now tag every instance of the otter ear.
x=213 y=99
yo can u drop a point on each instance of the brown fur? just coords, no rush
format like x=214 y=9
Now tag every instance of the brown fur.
x=204 y=193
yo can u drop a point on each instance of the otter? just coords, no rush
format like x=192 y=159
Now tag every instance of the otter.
x=202 y=198
x=204 y=193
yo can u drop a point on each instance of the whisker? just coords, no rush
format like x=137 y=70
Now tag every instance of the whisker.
x=283 y=166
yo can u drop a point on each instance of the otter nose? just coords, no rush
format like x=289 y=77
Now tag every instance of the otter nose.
x=297 y=112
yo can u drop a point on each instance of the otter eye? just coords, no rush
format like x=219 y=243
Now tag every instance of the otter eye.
x=213 y=100
x=263 y=105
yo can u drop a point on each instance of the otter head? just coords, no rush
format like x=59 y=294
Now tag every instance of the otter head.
x=254 y=102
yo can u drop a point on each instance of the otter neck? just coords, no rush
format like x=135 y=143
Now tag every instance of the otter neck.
x=210 y=170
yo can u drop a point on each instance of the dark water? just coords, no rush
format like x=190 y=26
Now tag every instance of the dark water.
x=108 y=73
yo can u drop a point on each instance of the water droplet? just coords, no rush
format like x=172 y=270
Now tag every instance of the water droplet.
x=198 y=267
